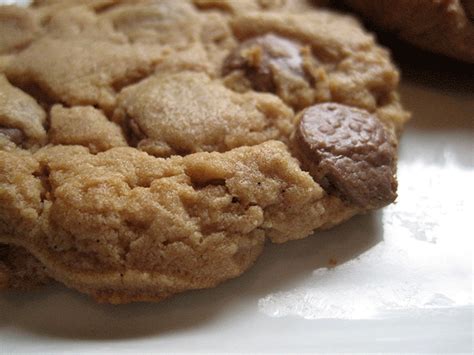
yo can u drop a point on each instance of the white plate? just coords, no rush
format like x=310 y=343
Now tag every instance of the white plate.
x=402 y=283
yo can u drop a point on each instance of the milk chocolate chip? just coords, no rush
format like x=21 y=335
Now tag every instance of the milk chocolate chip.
x=348 y=152
x=264 y=57
x=15 y=135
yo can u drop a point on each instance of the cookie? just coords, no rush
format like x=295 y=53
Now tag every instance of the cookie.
x=148 y=148
x=445 y=27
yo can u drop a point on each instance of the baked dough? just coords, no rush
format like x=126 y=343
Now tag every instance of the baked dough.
x=148 y=148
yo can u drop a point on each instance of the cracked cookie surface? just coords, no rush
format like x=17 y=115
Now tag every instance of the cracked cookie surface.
x=151 y=147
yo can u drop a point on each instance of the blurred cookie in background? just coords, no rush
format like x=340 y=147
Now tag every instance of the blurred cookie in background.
x=441 y=26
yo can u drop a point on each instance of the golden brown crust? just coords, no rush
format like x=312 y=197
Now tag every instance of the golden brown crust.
x=84 y=125
x=143 y=168
x=19 y=27
x=70 y=72
x=110 y=219
x=217 y=119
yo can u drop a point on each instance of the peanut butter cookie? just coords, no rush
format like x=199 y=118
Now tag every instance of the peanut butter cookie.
x=152 y=147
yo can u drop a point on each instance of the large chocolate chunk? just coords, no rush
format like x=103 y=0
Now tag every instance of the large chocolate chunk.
x=263 y=58
x=348 y=152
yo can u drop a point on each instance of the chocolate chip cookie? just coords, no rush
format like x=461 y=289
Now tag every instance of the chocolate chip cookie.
x=152 y=147
x=445 y=27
